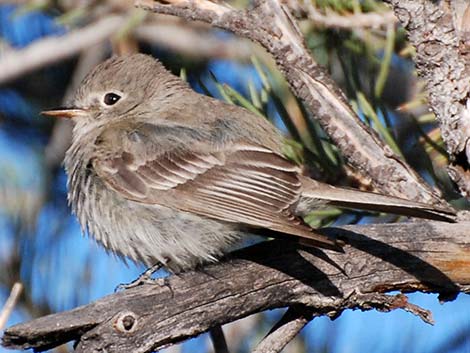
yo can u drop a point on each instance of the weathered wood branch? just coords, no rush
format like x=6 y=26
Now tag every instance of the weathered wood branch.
x=293 y=321
x=440 y=32
x=429 y=257
x=270 y=24
x=53 y=49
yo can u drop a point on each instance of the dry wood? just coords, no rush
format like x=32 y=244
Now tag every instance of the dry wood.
x=352 y=21
x=54 y=49
x=285 y=330
x=439 y=30
x=429 y=257
x=10 y=304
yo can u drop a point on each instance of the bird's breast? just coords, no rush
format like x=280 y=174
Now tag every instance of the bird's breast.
x=145 y=233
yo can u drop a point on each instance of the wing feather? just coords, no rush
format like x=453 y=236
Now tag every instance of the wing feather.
x=245 y=183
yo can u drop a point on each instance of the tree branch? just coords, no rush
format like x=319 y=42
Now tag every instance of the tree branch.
x=439 y=30
x=167 y=34
x=193 y=43
x=10 y=304
x=218 y=339
x=360 y=20
x=377 y=259
x=54 y=49
x=285 y=330
x=270 y=24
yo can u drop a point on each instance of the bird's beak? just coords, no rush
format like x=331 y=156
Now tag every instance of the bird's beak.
x=65 y=113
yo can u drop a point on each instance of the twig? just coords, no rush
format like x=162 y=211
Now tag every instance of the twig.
x=54 y=49
x=385 y=303
x=292 y=322
x=10 y=304
x=15 y=63
x=192 y=43
x=360 y=20
x=218 y=339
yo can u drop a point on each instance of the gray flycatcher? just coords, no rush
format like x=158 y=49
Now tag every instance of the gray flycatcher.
x=161 y=174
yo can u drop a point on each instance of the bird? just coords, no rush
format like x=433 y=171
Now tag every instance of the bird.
x=160 y=174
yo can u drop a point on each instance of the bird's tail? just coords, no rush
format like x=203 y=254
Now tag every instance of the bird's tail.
x=315 y=193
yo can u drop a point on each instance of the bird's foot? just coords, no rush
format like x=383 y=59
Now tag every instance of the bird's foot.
x=144 y=278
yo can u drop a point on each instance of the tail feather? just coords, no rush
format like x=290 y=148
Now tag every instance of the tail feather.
x=315 y=193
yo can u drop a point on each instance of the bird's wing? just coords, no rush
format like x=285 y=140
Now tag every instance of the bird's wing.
x=315 y=192
x=244 y=183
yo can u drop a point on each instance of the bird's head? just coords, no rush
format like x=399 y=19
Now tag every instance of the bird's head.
x=122 y=87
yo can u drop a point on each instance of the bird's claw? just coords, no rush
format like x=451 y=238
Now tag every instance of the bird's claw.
x=144 y=278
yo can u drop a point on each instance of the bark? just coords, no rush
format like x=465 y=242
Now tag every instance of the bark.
x=428 y=257
x=440 y=32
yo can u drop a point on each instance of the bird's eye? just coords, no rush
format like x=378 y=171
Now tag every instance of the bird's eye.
x=111 y=98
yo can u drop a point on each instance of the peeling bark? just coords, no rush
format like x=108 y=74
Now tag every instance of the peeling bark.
x=439 y=30
x=429 y=257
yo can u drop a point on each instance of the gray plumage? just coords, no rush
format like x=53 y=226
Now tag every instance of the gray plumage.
x=159 y=173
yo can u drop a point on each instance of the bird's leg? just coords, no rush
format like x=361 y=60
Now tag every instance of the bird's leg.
x=144 y=278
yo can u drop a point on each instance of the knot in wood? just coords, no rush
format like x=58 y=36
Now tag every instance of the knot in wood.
x=126 y=322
